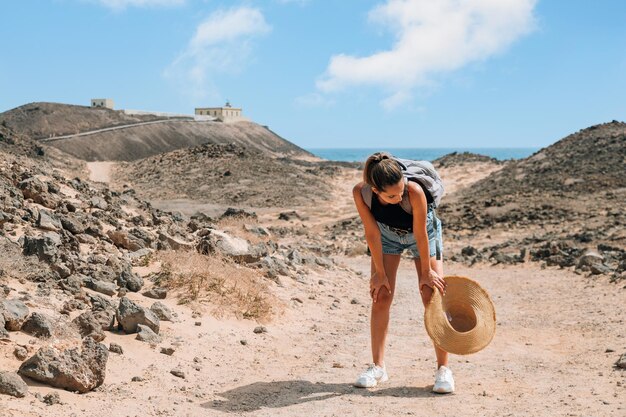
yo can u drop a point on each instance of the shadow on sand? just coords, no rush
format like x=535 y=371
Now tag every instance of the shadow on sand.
x=279 y=394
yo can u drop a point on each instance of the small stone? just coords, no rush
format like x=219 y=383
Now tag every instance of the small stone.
x=243 y=342
x=178 y=373
x=260 y=329
x=137 y=379
x=145 y=334
x=162 y=311
x=198 y=323
x=167 y=351
x=52 y=399
x=115 y=348
x=354 y=301
x=20 y=353
x=609 y=350
x=158 y=293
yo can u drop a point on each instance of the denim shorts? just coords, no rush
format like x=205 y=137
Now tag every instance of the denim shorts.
x=395 y=243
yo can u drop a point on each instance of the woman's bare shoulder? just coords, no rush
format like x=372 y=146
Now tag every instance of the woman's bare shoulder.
x=416 y=193
x=359 y=186
x=414 y=188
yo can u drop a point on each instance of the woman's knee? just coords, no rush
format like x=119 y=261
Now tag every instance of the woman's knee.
x=384 y=299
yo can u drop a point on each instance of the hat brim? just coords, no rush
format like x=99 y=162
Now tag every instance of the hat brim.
x=463 y=321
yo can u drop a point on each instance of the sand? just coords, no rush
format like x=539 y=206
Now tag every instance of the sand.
x=100 y=171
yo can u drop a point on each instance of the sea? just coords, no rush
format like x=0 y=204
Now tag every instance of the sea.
x=428 y=154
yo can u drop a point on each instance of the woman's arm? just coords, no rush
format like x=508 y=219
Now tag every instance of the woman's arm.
x=419 y=205
x=372 y=237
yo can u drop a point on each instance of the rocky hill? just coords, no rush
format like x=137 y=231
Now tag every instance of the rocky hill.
x=42 y=120
x=229 y=174
x=590 y=161
x=45 y=120
x=464 y=158
x=562 y=201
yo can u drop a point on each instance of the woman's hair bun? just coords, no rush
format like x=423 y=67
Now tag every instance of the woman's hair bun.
x=379 y=156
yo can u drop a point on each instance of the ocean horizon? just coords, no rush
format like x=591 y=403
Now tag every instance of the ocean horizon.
x=428 y=154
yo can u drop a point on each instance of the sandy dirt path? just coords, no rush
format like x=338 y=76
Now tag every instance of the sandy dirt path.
x=100 y=171
x=557 y=338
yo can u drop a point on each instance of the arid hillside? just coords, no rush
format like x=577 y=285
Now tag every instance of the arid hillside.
x=577 y=179
x=42 y=120
x=557 y=205
x=45 y=121
x=229 y=175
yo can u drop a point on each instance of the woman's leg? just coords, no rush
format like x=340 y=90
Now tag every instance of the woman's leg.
x=380 y=309
x=427 y=292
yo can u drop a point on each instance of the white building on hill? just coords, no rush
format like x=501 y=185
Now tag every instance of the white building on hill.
x=227 y=113
x=102 y=102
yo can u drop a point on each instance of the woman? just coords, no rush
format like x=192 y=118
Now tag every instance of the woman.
x=398 y=214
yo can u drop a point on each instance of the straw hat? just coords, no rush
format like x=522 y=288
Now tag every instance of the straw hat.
x=464 y=320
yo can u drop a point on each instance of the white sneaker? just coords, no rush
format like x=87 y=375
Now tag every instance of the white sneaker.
x=444 y=382
x=371 y=377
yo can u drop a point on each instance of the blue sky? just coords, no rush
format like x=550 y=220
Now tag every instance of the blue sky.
x=342 y=73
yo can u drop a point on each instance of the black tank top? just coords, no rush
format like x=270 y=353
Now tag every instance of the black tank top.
x=391 y=214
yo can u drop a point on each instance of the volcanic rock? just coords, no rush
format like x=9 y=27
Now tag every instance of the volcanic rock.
x=145 y=334
x=130 y=315
x=15 y=314
x=162 y=311
x=38 y=325
x=72 y=369
x=12 y=384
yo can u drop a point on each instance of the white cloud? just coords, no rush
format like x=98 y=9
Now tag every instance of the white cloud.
x=221 y=43
x=431 y=38
x=396 y=100
x=122 y=4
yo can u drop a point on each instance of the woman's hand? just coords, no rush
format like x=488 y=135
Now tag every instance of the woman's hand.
x=377 y=282
x=433 y=281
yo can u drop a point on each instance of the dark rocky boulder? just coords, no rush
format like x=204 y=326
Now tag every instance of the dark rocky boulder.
x=162 y=311
x=74 y=369
x=145 y=334
x=11 y=384
x=130 y=315
x=129 y=280
x=15 y=314
x=93 y=323
x=157 y=293
x=45 y=247
x=38 y=325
